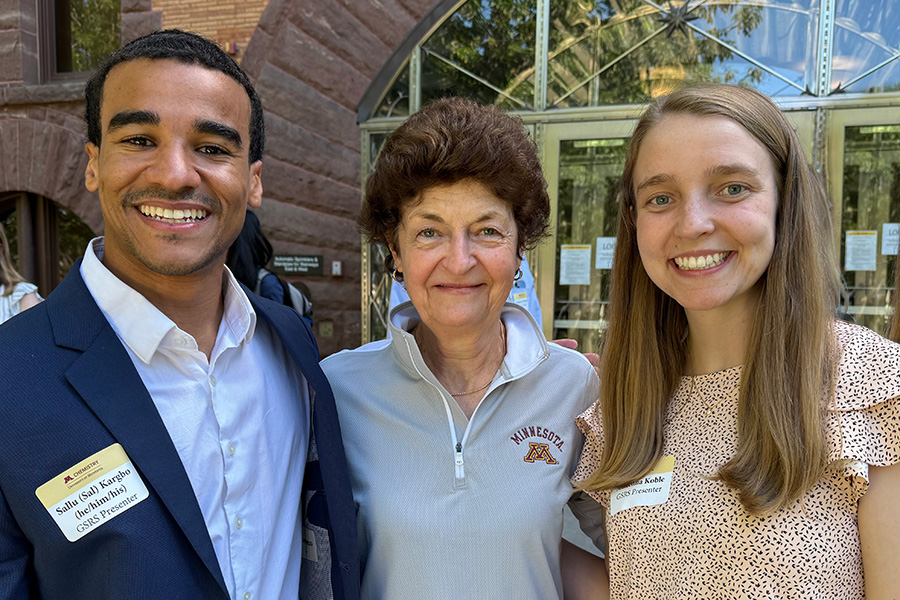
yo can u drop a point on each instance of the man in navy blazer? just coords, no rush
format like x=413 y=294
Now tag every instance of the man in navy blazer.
x=120 y=473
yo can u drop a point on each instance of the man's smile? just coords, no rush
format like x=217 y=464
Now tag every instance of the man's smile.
x=170 y=215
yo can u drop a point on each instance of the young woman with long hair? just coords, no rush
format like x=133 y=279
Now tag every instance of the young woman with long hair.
x=745 y=443
x=16 y=294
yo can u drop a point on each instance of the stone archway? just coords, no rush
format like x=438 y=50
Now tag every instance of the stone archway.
x=312 y=62
x=47 y=158
x=41 y=171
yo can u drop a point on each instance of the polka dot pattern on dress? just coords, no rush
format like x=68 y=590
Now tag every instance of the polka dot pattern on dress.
x=702 y=544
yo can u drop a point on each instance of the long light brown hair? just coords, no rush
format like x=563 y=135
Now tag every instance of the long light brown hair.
x=9 y=277
x=788 y=371
x=893 y=331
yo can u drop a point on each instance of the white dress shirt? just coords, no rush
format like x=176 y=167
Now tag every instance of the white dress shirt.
x=239 y=421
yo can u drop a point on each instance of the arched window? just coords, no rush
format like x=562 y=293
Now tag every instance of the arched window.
x=579 y=72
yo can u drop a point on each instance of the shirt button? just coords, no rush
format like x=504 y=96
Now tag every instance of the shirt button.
x=212 y=380
x=239 y=522
x=179 y=342
x=231 y=449
x=246 y=595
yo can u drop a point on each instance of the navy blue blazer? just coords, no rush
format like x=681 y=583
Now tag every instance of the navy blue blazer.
x=68 y=389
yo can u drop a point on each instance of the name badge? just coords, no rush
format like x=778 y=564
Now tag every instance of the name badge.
x=99 y=488
x=310 y=551
x=521 y=298
x=649 y=490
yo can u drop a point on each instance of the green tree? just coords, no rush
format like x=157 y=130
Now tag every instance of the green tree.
x=495 y=40
x=94 y=30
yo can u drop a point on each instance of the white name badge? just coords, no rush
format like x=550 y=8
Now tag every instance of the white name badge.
x=649 y=490
x=99 y=488
x=310 y=552
x=521 y=299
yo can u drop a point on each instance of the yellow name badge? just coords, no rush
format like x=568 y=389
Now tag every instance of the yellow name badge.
x=650 y=490
x=521 y=298
x=85 y=496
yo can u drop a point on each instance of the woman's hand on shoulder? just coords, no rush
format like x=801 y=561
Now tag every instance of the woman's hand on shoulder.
x=594 y=359
x=879 y=533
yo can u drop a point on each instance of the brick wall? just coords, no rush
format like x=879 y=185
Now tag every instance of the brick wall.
x=311 y=61
x=225 y=21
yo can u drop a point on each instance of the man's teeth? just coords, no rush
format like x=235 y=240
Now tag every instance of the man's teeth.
x=175 y=215
x=697 y=263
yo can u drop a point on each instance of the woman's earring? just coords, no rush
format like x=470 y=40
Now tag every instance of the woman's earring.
x=518 y=275
x=397 y=275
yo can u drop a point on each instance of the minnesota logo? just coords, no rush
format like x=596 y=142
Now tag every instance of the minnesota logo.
x=538 y=451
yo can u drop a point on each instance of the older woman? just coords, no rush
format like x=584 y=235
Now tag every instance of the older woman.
x=745 y=444
x=459 y=430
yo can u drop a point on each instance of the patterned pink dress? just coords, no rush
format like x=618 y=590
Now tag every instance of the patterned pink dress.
x=699 y=542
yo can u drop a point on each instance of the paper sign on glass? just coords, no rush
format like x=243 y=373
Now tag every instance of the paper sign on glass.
x=575 y=264
x=861 y=251
x=606 y=246
x=890 y=239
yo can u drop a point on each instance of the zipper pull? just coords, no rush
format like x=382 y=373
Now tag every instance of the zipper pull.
x=460 y=471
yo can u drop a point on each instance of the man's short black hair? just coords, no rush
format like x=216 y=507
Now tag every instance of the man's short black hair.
x=186 y=48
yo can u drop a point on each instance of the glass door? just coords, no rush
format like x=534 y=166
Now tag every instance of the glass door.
x=865 y=163
x=584 y=162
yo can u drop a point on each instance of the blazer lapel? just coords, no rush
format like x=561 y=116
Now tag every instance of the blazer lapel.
x=301 y=345
x=107 y=381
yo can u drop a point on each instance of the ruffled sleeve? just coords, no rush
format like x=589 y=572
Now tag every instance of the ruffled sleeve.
x=591 y=425
x=20 y=290
x=9 y=305
x=863 y=424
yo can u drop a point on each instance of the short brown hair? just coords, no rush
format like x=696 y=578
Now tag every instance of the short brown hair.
x=451 y=140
